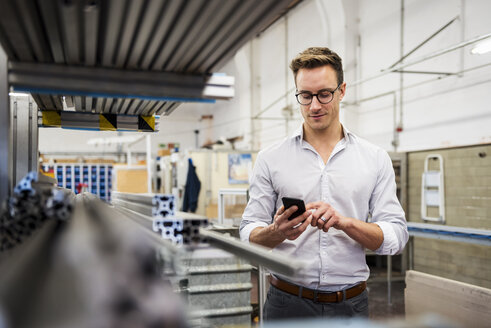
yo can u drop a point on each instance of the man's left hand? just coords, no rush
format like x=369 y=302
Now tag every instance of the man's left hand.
x=324 y=216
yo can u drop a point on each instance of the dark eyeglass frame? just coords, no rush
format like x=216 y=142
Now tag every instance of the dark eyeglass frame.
x=317 y=96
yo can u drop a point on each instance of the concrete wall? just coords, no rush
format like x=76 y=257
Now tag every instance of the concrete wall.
x=467 y=204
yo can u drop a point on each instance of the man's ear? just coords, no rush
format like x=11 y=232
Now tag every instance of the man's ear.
x=342 y=91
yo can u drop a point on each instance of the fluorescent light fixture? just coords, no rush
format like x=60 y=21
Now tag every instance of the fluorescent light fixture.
x=112 y=140
x=482 y=47
x=18 y=94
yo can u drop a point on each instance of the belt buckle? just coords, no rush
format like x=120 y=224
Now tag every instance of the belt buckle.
x=341 y=296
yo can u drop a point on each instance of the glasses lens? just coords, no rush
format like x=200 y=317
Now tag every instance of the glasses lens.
x=304 y=98
x=324 y=97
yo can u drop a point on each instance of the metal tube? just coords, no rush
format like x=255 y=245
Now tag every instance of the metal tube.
x=254 y=253
x=411 y=252
x=274 y=102
x=425 y=72
x=462 y=33
x=261 y=277
x=136 y=207
x=221 y=207
x=443 y=51
x=389 y=279
x=424 y=42
x=14 y=135
x=424 y=58
x=401 y=78
x=412 y=226
x=395 y=141
x=145 y=199
x=149 y=163
x=347 y=104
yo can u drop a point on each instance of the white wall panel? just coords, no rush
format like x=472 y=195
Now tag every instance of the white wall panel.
x=437 y=110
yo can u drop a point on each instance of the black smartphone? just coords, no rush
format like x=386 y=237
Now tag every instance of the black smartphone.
x=289 y=201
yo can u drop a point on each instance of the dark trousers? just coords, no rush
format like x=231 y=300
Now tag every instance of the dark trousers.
x=280 y=305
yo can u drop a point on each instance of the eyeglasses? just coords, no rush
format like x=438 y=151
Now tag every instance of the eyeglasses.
x=323 y=96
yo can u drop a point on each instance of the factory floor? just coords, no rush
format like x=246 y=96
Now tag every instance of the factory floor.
x=378 y=298
x=379 y=306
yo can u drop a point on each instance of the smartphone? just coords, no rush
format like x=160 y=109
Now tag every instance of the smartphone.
x=289 y=201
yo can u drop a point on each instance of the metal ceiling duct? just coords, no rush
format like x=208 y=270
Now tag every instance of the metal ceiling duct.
x=187 y=37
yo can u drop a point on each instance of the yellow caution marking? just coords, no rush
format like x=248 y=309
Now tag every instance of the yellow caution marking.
x=108 y=122
x=51 y=118
x=146 y=123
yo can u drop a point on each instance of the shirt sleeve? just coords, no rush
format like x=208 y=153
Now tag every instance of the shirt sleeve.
x=261 y=207
x=386 y=210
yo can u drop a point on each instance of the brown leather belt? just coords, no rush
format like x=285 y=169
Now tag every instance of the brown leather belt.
x=318 y=296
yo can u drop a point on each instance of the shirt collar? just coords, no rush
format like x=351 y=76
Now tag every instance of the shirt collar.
x=348 y=136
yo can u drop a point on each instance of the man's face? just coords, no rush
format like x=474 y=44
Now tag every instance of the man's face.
x=320 y=116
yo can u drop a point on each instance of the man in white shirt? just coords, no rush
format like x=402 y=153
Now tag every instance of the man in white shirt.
x=349 y=189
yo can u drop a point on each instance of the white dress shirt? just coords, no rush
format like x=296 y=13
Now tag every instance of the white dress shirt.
x=357 y=180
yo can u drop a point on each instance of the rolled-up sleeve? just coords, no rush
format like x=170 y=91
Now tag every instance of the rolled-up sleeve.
x=386 y=210
x=260 y=209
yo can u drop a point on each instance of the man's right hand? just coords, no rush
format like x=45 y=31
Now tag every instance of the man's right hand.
x=281 y=228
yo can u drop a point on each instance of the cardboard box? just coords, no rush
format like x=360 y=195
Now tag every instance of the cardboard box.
x=163 y=152
x=130 y=179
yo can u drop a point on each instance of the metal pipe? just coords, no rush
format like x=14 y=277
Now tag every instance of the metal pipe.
x=424 y=58
x=348 y=104
x=136 y=207
x=149 y=163
x=471 y=232
x=424 y=72
x=401 y=81
x=462 y=33
x=444 y=51
x=254 y=253
x=411 y=252
x=134 y=197
x=14 y=125
x=261 y=277
x=128 y=156
x=389 y=279
x=274 y=102
x=128 y=150
x=424 y=42
x=29 y=132
x=395 y=141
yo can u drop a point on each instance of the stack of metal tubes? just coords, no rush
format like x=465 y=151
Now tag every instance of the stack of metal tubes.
x=93 y=268
x=161 y=216
x=35 y=199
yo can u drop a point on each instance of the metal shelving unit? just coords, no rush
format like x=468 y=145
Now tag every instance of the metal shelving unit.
x=97 y=177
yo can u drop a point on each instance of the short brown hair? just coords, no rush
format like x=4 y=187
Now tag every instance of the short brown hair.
x=314 y=57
